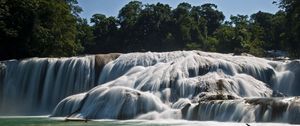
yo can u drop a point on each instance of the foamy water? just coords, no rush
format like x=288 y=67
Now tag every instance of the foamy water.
x=191 y=85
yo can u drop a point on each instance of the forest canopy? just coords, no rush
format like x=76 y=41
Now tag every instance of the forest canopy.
x=53 y=28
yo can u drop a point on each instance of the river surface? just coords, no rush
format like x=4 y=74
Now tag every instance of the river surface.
x=45 y=121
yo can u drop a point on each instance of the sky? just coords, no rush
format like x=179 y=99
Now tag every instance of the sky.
x=228 y=7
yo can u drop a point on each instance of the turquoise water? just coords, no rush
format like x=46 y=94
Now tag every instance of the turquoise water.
x=45 y=121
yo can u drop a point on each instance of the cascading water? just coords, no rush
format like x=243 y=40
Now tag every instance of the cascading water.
x=191 y=85
x=287 y=79
x=36 y=85
x=246 y=110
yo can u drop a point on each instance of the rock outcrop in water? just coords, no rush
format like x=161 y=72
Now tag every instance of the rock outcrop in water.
x=112 y=103
x=246 y=110
x=191 y=85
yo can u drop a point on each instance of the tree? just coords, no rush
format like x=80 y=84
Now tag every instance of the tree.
x=214 y=18
x=227 y=39
x=278 y=21
x=263 y=21
x=182 y=25
x=85 y=35
x=292 y=35
x=152 y=26
x=54 y=28
x=75 y=9
x=37 y=28
x=128 y=16
x=104 y=30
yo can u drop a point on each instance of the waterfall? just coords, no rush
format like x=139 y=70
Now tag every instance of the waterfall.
x=34 y=86
x=247 y=110
x=115 y=102
x=287 y=78
x=190 y=85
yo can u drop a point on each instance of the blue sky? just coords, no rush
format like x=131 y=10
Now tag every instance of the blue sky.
x=228 y=7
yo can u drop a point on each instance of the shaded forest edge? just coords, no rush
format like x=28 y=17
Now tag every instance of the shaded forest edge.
x=53 y=28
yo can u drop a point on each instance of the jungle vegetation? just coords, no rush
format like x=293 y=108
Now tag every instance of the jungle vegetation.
x=53 y=28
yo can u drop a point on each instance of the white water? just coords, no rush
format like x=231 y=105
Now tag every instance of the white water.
x=39 y=84
x=191 y=85
x=36 y=85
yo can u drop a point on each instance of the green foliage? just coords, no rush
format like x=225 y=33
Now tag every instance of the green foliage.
x=37 y=28
x=104 y=31
x=211 y=44
x=214 y=18
x=85 y=34
x=53 y=28
x=192 y=46
x=292 y=24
